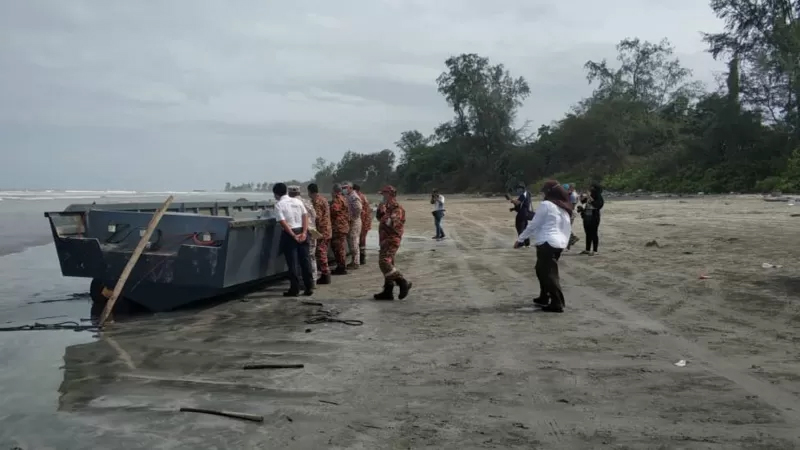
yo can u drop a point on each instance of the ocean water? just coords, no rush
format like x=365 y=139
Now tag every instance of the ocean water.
x=33 y=290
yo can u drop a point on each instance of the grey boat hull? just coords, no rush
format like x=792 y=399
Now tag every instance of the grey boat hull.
x=199 y=250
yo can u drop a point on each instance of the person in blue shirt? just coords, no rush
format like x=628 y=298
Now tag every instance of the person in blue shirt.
x=522 y=206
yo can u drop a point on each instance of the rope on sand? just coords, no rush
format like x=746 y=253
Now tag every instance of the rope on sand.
x=68 y=325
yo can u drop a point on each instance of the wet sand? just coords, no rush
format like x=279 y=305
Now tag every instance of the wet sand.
x=465 y=361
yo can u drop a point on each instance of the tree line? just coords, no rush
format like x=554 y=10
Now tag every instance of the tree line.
x=647 y=124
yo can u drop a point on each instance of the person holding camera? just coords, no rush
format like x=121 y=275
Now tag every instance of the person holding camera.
x=589 y=209
x=437 y=200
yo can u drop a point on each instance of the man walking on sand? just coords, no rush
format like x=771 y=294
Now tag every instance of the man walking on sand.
x=323 y=222
x=392 y=220
x=340 y=224
x=355 y=208
x=293 y=219
x=294 y=192
x=366 y=224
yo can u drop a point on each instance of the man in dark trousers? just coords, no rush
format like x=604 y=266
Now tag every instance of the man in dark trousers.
x=522 y=206
x=292 y=217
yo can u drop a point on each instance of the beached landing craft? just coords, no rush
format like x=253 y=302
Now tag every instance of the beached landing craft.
x=199 y=250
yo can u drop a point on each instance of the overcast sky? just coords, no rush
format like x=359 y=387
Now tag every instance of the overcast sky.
x=188 y=94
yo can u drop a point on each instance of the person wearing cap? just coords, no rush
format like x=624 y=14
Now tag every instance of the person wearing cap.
x=392 y=219
x=323 y=221
x=293 y=219
x=573 y=199
x=355 y=207
x=366 y=224
x=340 y=224
x=522 y=206
x=294 y=192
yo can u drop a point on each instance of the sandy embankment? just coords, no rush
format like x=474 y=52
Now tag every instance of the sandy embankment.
x=465 y=362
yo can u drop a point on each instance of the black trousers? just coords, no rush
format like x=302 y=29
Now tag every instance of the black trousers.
x=298 y=261
x=591 y=227
x=520 y=223
x=547 y=273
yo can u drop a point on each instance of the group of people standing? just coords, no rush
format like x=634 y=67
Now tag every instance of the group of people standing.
x=550 y=229
x=310 y=225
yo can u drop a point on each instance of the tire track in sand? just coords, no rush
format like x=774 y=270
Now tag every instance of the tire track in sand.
x=548 y=430
x=783 y=401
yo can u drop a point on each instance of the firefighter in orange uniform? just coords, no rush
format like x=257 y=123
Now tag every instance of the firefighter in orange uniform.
x=392 y=220
x=340 y=223
x=323 y=222
x=366 y=224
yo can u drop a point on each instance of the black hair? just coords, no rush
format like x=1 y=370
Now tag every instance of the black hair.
x=280 y=189
x=313 y=188
x=356 y=187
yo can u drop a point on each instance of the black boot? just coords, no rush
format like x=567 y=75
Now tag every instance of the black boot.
x=405 y=286
x=325 y=278
x=363 y=257
x=340 y=270
x=387 y=293
x=541 y=300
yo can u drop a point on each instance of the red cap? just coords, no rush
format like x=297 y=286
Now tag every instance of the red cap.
x=388 y=189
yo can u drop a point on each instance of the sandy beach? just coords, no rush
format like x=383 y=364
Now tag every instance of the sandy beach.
x=466 y=361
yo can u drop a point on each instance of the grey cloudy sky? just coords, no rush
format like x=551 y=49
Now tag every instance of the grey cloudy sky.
x=188 y=94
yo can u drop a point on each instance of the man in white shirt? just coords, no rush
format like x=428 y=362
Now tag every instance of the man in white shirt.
x=292 y=217
x=437 y=200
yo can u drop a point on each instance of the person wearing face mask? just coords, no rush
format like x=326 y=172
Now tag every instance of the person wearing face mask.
x=392 y=220
x=293 y=219
x=550 y=230
x=522 y=206
x=589 y=209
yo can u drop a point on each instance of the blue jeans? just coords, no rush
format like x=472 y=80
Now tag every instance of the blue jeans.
x=296 y=254
x=437 y=222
